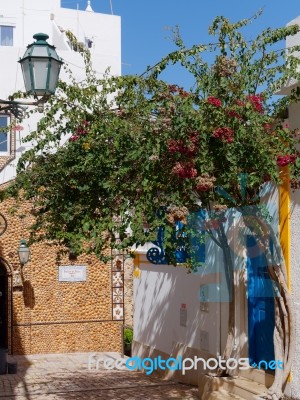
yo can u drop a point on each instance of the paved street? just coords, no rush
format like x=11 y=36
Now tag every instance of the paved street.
x=67 y=376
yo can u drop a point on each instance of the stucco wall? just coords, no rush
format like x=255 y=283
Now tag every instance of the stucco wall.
x=295 y=285
x=160 y=294
x=294 y=121
x=161 y=291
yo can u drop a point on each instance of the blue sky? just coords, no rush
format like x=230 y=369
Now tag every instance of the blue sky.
x=146 y=25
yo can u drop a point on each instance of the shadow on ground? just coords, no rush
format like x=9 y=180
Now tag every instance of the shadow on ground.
x=67 y=376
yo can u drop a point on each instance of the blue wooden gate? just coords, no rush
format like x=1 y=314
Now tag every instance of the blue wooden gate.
x=260 y=306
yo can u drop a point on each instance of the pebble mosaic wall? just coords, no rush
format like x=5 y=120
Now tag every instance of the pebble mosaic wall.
x=50 y=316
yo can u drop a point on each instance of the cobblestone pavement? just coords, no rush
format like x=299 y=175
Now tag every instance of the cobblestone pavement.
x=68 y=377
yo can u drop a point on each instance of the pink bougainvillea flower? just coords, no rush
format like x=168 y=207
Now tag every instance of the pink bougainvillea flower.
x=234 y=114
x=225 y=134
x=184 y=170
x=267 y=126
x=189 y=148
x=173 y=88
x=74 y=138
x=257 y=102
x=81 y=131
x=214 y=101
x=282 y=161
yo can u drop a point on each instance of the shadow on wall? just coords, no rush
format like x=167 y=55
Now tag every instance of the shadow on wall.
x=161 y=294
x=163 y=291
x=165 y=294
x=28 y=294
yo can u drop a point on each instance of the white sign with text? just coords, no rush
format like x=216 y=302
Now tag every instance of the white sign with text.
x=72 y=273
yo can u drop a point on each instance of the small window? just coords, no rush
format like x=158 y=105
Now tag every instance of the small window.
x=4 y=133
x=6 y=35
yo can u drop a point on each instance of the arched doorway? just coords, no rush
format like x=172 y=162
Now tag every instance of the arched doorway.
x=3 y=307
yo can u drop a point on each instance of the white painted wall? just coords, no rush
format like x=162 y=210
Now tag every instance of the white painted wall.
x=294 y=122
x=295 y=280
x=32 y=16
x=294 y=40
x=159 y=294
x=162 y=289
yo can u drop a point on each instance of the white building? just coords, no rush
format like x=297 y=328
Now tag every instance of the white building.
x=19 y=21
x=181 y=314
x=178 y=314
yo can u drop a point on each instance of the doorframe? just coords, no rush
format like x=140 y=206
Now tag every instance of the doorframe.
x=9 y=300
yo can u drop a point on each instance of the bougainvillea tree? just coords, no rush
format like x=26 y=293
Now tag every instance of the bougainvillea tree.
x=115 y=158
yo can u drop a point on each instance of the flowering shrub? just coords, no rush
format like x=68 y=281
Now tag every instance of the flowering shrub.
x=205 y=182
x=178 y=146
x=141 y=146
x=225 y=134
x=286 y=160
x=184 y=170
x=214 y=101
x=140 y=143
x=234 y=114
x=225 y=66
x=257 y=102
x=175 y=214
x=73 y=138
x=80 y=131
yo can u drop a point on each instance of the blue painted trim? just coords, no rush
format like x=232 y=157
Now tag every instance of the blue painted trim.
x=157 y=255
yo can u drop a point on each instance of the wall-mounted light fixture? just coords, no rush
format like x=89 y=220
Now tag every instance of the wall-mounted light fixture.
x=40 y=67
x=23 y=253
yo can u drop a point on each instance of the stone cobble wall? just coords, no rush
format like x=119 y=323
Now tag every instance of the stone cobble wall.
x=49 y=316
x=66 y=338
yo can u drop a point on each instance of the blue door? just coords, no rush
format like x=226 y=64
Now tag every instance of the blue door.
x=260 y=306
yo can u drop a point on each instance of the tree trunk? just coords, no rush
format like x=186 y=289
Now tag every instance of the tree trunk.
x=222 y=242
x=284 y=331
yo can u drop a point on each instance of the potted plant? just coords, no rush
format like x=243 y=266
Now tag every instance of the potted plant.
x=128 y=337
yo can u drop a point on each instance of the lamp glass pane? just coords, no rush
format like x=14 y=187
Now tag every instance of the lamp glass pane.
x=39 y=51
x=40 y=72
x=26 y=75
x=54 y=73
x=24 y=255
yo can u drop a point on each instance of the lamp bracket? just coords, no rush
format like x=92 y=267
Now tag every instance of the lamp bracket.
x=17 y=108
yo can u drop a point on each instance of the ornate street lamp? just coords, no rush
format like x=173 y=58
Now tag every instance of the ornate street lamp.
x=40 y=66
x=23 y=253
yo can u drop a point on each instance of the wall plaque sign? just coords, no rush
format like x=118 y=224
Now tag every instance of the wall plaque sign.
x=72 y=273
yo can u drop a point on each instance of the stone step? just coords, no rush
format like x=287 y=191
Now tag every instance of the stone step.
x=257 y=375
x=222 y=395
x=245 y=388
x=241 y=387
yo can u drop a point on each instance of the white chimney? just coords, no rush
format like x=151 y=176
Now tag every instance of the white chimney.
x=89 y=7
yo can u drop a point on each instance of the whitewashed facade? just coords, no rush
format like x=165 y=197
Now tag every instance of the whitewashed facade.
x=19 y=21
